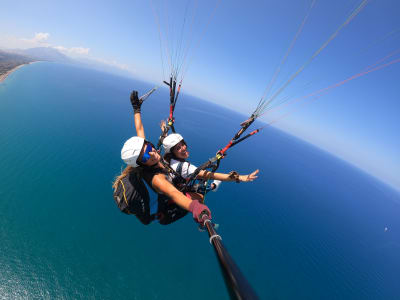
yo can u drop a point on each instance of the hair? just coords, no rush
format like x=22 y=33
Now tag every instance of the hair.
x=168 y=157
x=128 y=170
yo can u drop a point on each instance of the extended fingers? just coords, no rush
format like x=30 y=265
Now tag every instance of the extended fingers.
x=253 y=175
x=162 y=125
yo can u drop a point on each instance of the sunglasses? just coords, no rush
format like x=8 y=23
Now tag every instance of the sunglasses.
x=146 y=154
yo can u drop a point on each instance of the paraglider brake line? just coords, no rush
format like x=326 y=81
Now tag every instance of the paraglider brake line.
x=145 y=96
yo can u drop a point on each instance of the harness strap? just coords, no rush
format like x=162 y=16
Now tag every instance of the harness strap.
x=171 y=171
x=179 y=168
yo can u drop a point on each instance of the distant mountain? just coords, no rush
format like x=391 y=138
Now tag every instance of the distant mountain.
x=22 y=56
x=7 y=56
x=9 y=61
x=44 y=53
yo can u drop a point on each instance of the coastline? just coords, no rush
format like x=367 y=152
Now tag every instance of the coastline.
x=5 y=75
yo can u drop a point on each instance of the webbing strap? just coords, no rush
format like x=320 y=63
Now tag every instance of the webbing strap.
x=126 y=201
x=170 y=170
x=179 y=168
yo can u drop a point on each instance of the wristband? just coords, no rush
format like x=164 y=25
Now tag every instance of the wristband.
x=235 y=176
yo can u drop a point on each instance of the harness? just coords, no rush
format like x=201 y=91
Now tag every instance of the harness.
x=214 y=162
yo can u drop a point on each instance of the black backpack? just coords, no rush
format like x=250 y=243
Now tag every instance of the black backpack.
x=132 y=197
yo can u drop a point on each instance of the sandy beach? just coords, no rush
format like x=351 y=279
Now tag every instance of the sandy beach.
x=4 y=76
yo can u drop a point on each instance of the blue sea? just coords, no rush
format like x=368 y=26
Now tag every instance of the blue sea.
x=310 y=227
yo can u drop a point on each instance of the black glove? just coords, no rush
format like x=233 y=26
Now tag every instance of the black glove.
x=136 y=103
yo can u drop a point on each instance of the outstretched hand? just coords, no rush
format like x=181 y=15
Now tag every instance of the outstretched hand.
x=163 y=125
x=135 y=101
x=250 y=177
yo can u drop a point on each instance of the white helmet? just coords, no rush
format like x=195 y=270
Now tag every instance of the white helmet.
x=170 y=141
x=131 y=150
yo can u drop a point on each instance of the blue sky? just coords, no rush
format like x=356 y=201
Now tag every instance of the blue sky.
x=233 y=62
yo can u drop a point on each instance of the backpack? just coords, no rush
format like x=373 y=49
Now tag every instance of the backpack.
x=132 y=197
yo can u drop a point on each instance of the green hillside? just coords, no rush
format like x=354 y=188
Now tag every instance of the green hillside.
x=9 y=61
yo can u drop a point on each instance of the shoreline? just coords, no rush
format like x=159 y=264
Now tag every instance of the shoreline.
x=4 y=76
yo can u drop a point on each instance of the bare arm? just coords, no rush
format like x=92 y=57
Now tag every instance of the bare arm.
x=199 y=211
x=227 y=177
x=139 y=125
x=162 y=185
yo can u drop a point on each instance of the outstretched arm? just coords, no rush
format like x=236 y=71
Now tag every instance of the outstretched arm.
x=232 y=176
x=162 y=185
x=139 y=125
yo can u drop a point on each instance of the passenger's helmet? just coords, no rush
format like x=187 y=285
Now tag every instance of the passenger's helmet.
x=171 y=141
x=131 y=150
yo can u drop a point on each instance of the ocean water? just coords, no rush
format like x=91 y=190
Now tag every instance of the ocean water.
x=310 y=227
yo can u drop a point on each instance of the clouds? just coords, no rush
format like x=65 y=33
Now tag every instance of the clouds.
x=41 y=39
x=11 y=42
x=79 y=53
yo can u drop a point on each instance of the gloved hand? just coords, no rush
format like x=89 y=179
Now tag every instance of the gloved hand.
x=136 y=103
x=196 y=208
